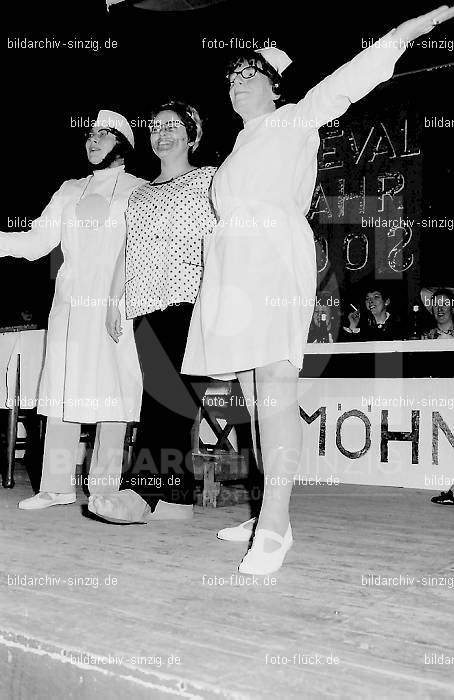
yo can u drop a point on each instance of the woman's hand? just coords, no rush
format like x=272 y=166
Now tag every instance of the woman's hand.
x=413 y=28
x=113 y=323
x=353 y=317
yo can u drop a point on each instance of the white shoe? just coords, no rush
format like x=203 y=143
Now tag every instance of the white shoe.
x=45 y=499
x=239 y=533
x=259 y=562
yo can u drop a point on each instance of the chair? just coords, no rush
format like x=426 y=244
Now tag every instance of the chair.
x=220 y=461
x=34 y=440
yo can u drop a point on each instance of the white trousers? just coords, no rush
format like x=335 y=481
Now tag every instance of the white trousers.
x=60 y=457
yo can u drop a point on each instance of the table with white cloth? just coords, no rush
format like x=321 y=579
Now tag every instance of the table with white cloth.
x=21 y=363
x=371 y=430
x=30 y=345
x=390 y=432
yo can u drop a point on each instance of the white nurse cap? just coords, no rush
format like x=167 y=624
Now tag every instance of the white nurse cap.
x=277 y=58
x=112 y=120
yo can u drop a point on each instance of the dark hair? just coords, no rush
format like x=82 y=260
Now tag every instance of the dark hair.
x=255 y=59
x=380 y=288
x=188 y=115
x=446 y=293
x=123 y=147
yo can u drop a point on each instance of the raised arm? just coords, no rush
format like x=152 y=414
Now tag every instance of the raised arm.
x=44 y=235
x=333 y=95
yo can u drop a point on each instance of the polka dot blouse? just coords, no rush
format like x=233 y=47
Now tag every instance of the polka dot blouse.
x=166 y=224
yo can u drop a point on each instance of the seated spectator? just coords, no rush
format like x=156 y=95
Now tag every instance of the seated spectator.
x=27 y=318
x=325 y=320
x=440 y=302
x=377 y=322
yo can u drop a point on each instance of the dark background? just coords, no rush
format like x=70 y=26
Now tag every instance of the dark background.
x=160 y=54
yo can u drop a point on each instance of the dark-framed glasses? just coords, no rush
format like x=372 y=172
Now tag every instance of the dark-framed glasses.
x=246 y=73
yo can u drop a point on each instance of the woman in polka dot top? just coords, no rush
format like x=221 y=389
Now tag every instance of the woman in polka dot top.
x=167 y=220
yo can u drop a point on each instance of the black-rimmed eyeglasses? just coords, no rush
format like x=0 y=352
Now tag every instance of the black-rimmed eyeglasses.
x=246 y=73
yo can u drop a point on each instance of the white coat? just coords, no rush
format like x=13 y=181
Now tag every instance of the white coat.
x=87 y=377
x=259 y=283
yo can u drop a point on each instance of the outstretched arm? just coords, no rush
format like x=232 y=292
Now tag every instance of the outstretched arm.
x=333 y=95
x=44 y=236
x=418 y=26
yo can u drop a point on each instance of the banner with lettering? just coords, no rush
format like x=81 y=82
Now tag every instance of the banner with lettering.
x=381 y=204
x=383 y=432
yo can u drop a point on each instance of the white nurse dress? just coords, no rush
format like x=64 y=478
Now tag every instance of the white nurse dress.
x=256 y=299
x=86 y=377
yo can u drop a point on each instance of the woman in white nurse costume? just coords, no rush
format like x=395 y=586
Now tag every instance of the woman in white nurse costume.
x=262 y=250
x=86 y=378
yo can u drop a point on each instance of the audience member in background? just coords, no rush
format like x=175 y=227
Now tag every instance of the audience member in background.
x=27 y=318
x=324 y=325
x=377 y=321
x=14 y=320
x=440 y=302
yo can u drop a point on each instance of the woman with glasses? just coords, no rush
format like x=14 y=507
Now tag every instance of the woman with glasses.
x=86 y=378
x=167 y=220
x=263 y=249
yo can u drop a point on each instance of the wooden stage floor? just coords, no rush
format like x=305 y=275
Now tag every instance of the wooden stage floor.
x=151 y=611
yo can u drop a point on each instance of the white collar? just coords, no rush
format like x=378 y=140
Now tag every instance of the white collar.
x=107 y=173
x=382 y=323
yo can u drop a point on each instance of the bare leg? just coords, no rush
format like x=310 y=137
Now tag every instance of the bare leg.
x=247 y=384
x=281 y=442
x=281 y=449
x=246 y=380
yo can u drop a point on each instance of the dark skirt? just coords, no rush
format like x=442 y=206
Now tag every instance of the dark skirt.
x=162 y=465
